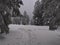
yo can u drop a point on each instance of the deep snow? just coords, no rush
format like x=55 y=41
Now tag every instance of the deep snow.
x=26 y=27
x=30 y=35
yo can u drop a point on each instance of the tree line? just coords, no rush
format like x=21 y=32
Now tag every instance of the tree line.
x=46 y=12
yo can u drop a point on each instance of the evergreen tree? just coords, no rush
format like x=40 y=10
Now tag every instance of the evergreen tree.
x=51 y=11
x=25 y=18
x=38 y=11
x=32 y=21
x=5 y=7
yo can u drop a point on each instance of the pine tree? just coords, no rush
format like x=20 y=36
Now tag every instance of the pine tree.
x=51 y=11
x=25 y=18
x=5 y=7
x=38 y=10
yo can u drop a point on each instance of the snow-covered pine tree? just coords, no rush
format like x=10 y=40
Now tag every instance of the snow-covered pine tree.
x=51 y=11
x=38 y=11
x=25 y=20
x=5 y=7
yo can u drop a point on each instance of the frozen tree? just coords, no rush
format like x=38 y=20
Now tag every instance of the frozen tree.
x=32 y=21
x=51 y=11
x=38 y=11
x=5 y=10
x=25 y=18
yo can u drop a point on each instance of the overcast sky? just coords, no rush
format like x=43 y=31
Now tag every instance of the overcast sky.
x=28 y=6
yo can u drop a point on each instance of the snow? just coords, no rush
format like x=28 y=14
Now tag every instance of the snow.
x=31 y=35
x=26 y=27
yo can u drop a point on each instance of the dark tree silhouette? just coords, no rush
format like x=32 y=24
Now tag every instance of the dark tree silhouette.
x=51 y=11
x=5 y=12
x=38 y=11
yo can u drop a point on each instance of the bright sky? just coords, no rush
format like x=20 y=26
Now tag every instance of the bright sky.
x=28 y=6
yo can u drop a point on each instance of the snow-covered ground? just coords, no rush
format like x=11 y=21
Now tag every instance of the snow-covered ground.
x=30 y=35
x=27 y=27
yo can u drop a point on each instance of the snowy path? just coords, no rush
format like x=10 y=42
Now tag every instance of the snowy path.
x=30 y=35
